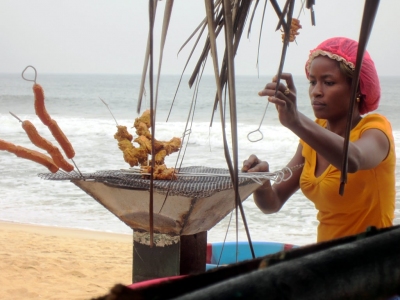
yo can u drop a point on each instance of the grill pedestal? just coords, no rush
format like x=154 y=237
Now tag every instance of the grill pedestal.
x=186 y=256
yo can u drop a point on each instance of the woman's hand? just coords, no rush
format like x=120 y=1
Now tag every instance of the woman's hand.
x=253 y=164
x=264 y=196
x=284 y=100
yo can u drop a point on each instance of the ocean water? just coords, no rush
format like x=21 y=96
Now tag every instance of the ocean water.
x=73 y=101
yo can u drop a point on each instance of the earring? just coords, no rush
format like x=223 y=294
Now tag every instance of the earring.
x=358 y=99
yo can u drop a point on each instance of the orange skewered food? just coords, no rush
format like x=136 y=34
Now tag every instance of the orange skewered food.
x=44 y=144
x=7 y=146
x=40 y=108
x=30 y=155
x=60 y=161
x=44 y=116
x=61 y=139
x=35 y=137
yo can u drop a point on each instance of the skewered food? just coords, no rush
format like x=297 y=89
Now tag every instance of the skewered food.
x=145 y=143
x=56 y=160
x=44 y=116
x=145 y=118
x=161 y=172
x=139 y=156
x=40 y=108
x=44 y=144
x=134 y=156
x=30 y=155
x=61 y=139
x=294 y=30
x=142 y=130
x=122 y=134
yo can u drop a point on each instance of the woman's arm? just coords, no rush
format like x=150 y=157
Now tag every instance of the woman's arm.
x=270 y=199
x=365 y=153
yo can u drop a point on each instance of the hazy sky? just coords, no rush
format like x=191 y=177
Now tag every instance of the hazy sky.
x=105 y=36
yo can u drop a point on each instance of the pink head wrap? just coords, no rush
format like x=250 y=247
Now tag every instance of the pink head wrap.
x=345 y=50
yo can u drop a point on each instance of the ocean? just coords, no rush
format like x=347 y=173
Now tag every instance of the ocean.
x=74 y=102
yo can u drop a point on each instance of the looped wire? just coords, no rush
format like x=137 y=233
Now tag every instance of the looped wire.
x=278 y=176
x=250 y=134
x=23 y=75
x=256 y=180
x=258 y=129
x=287 y=170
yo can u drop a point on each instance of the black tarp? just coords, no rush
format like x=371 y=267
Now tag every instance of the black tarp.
x=364 y=266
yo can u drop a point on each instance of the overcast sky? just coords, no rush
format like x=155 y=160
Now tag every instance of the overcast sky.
x=105 y=36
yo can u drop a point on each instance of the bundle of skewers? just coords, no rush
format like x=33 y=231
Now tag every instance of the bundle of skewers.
x=54 y=159
x=258 y=177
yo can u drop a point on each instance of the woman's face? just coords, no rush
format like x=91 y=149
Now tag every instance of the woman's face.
x=329 y=89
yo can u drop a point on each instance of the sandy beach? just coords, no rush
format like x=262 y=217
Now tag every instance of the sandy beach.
x=39 y=262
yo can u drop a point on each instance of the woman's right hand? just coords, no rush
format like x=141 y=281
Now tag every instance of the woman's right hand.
x=285 y=99
x=254 y=164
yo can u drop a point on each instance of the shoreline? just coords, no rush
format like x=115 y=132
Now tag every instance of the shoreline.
x=44 y=262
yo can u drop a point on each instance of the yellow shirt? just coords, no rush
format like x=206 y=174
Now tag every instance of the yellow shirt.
x=369 y=195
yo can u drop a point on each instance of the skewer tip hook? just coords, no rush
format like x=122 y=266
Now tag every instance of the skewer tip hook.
x=23 y=74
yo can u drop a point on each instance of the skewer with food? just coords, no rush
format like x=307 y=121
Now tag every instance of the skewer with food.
x=45 y=144
x=29 y=154
x=41 y=112
x=139 y=156
x=58 y=134
x=40 y=108
x=294 y=30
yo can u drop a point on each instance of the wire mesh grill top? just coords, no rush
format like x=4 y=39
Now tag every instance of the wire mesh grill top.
x=187 y=185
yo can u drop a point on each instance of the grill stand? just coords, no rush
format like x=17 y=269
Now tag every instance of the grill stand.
x=194 y=205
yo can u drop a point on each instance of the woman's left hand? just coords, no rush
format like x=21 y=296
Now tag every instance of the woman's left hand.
x=284 y=100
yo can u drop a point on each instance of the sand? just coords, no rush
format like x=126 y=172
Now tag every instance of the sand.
x=39 y=262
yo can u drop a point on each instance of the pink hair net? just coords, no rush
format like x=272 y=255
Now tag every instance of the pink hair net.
x=344 y=49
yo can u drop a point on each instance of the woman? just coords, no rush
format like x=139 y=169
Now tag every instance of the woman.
x=369 y=194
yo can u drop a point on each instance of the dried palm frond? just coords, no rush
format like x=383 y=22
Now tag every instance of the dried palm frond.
x=167 y=17
x=145 y=65
x=166 y=20
x=288 y=6
x=369 y=14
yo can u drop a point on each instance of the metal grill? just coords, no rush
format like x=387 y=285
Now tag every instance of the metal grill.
x=187 y=185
